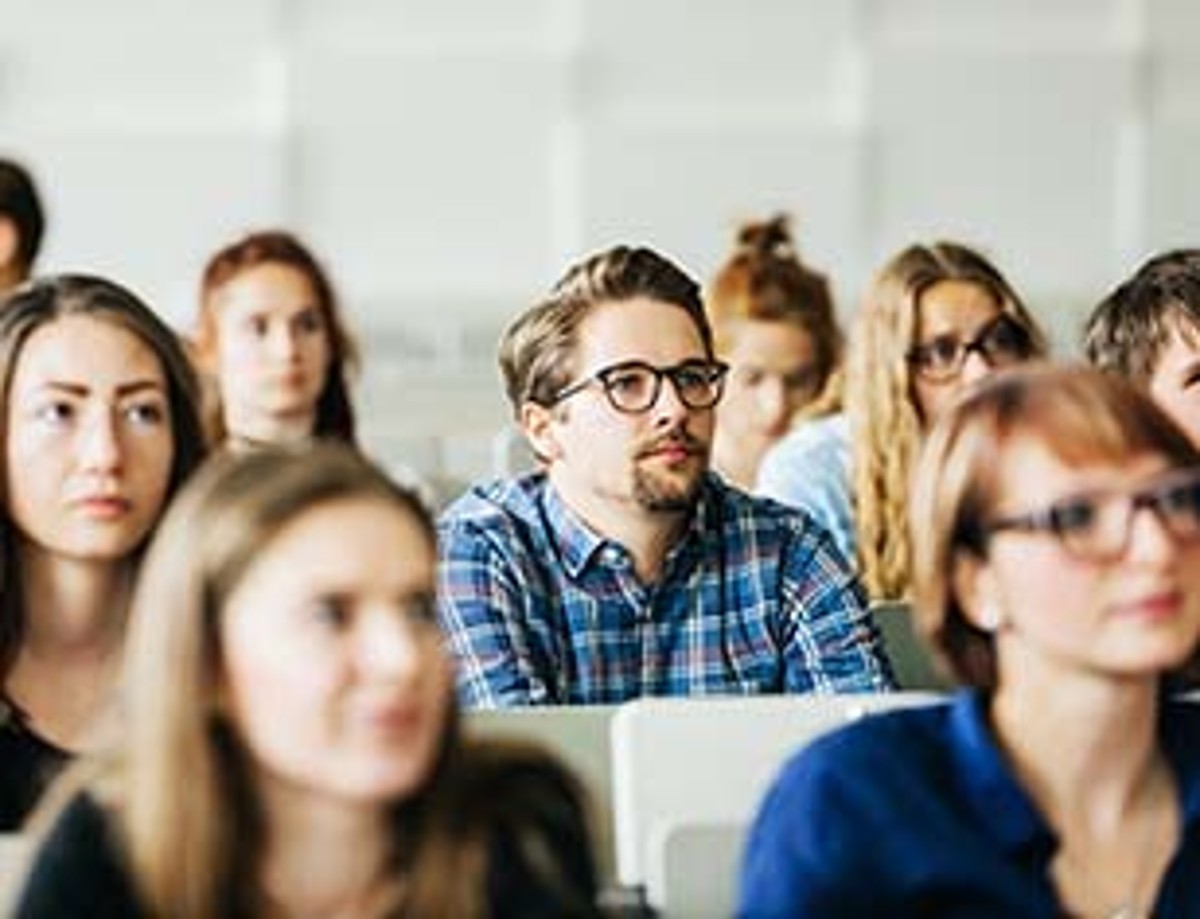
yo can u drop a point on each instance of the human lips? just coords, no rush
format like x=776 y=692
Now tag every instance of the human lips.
x=674 y=450
x=1154 y=607
x=103 y=506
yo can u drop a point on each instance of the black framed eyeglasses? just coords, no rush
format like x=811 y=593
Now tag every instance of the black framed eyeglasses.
x=1096 y=525
x=634 y=386
x=1001 y=342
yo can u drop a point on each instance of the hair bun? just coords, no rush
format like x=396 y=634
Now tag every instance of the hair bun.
x=768 y=238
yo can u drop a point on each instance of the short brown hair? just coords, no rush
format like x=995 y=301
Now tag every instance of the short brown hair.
x=1079 y=413
x=1128 y=330
x=537 y=350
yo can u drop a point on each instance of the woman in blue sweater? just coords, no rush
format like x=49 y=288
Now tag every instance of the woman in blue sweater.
x=1056 y=533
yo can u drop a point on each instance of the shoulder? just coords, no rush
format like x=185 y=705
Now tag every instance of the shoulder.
x=79 y=867
x=872 y=758
x=821 y=438
x=504 y=513
x=489 y=502
x=534 y=813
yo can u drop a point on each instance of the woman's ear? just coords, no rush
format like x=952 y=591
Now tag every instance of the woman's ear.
x=537 y=421
x=974 y=584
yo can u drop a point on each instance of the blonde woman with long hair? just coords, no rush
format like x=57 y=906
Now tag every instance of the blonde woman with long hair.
x=291 y=742
x=936 y=318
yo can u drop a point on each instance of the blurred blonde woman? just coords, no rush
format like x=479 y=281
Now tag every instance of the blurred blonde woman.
x=774 y=323
x=292 y=744
x=936 y=318
x=1056 y=563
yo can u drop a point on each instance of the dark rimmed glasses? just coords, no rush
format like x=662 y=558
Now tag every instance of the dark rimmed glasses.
x=633 y=387
x=1001 y=342
x=1096 y=525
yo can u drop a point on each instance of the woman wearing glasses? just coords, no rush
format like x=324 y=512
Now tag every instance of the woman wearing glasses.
x=937 y=317
x=1056 y=527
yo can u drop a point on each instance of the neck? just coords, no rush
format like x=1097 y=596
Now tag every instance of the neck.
x=324 y=858
x=10 y=276
x=74 y=624
x=647 y=535
x=736 y=466
x=72 y=608
x=1083 y=749
x=1086 y=750
x=253 y=431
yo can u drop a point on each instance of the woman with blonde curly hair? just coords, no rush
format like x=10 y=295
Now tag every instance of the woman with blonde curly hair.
x=774 y=323
x=937 y=317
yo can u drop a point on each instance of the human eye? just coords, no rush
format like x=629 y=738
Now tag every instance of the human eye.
x=419 y=610
x=257 y=325
x=1074 y=517
x=693 y=376
x=752 y=377
x=310 y=322
x=330 y=612
x=1180 y=501
x=801 y=381
x=940 y=353
x=54 y=412
x=628 y=382
x=1005 y=339
x=149 y=413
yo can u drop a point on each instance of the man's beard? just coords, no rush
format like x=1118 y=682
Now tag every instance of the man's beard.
x=663 y=491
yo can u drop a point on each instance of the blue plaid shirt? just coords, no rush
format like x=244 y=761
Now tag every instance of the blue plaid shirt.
x=754 y=598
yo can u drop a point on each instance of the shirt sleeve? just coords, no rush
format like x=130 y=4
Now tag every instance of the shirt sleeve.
x=484 y=614
x=830 y=640
x=77 y=871
x=812 y=474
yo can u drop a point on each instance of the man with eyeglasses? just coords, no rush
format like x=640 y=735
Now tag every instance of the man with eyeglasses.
x=1148 y=329
x=623 y=567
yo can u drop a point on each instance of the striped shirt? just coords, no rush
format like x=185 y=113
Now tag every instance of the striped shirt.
x=753 y=598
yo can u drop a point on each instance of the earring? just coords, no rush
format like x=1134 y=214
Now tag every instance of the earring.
x=990 y=618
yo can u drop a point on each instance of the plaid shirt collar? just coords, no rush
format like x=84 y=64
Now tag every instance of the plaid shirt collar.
x=579 y=544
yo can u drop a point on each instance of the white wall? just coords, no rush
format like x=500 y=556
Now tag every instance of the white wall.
x=449 y=157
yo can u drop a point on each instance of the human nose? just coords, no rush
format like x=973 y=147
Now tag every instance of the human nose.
x=389 y=645
x=975 y=365
x=100 y=444
x=1150 y=540
x=283 y=341
x=668 y=404
x=775 y=405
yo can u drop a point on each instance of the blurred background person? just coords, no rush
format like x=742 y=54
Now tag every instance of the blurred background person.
x=936 y=318
x=22 y=224
x=1056 y=545
x=101 y=426
x=292 y=742
x=774 y=324
x=1148 y=329
x=274 y=344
